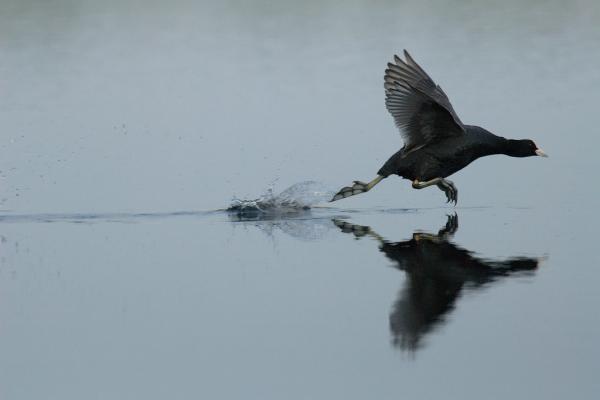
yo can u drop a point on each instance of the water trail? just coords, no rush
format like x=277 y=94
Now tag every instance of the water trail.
x=98 y=217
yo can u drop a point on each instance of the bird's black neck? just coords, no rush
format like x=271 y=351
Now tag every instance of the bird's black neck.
x=504 y=146
x=518 y=148
x=489 y=144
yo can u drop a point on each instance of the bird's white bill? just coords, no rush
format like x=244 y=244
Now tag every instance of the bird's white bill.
x=541 y=153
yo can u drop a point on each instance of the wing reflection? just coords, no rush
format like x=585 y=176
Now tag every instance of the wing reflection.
x=436 y=273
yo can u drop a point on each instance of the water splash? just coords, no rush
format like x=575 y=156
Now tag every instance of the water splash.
x=301 y=196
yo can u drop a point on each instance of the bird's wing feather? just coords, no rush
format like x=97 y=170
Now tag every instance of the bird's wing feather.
x=420 y=108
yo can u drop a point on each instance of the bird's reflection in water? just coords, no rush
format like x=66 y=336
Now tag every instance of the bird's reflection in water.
x=436 y=273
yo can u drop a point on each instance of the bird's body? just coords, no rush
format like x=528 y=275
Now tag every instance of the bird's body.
x=445 y=157
x=436 y=142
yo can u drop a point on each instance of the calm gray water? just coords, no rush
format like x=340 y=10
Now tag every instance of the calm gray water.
x=126 y=126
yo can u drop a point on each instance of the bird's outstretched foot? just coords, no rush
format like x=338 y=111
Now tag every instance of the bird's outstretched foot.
x=357 y=188
x=347 y=191
x=450 y=190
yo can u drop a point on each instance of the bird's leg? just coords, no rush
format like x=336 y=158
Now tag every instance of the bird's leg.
x=357 y=188
x=417 y=184
x=444 y=185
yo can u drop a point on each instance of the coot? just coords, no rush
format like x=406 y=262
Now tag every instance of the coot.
x=436 y=142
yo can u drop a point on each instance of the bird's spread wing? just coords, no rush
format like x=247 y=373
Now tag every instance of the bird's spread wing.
x=420 y=108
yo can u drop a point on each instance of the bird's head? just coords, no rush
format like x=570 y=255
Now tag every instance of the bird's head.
x=524 y=148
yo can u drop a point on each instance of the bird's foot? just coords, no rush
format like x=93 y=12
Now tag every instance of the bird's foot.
x=347 y=191
x=450 y=190
x=357 y=188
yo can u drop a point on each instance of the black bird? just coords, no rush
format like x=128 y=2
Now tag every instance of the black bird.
x=437 y=273
x=436 y=142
